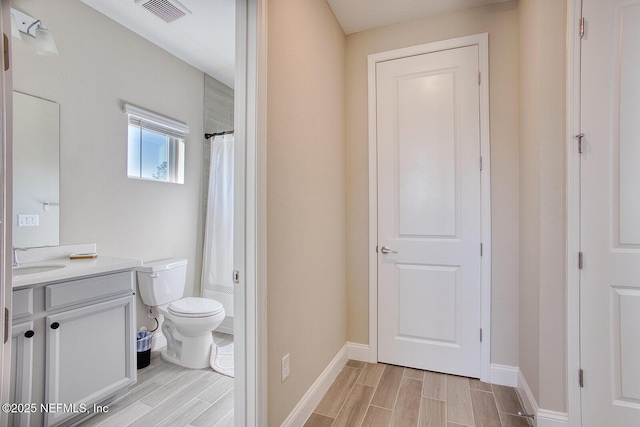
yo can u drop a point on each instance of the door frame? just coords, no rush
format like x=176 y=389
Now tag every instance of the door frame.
x=250 y=398
x=6 y=195
x=482 y=41
x=574 y=402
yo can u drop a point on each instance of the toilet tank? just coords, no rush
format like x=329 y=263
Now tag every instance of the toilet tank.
x=161 y=282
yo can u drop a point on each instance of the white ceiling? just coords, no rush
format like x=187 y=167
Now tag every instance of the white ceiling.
x=360 y=15
x=205 y=39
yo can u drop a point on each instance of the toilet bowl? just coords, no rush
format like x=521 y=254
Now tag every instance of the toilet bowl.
x=188 y=322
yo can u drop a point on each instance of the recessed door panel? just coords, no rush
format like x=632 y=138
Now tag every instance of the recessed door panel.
x=629 y=112
x=428 y=304
x=426 y=144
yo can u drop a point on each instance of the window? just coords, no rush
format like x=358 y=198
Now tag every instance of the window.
x=155 y=146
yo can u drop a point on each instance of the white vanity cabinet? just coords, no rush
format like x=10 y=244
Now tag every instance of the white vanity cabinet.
x=20 y=390
x=80 y=351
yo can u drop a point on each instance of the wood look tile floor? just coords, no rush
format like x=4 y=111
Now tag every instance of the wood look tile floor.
x=376 y=395
x=168 y=395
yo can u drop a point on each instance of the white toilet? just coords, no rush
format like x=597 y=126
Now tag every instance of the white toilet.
x=188 y=322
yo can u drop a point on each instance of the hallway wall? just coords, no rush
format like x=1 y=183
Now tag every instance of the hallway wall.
x=306 y=268
x=542 y=201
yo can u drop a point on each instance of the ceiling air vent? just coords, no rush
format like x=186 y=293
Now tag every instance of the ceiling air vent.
x=167 y=10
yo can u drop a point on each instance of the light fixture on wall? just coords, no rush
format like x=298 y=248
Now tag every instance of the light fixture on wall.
x=33 y=28
x=15 y=32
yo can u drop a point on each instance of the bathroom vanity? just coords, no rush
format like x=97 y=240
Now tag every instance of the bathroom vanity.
x=73 y=348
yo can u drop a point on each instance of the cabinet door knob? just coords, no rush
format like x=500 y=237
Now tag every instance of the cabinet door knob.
x=55 y=325
x=29 y=334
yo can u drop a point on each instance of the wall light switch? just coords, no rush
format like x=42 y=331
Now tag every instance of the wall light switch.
x=28 y=220
x=285 y=367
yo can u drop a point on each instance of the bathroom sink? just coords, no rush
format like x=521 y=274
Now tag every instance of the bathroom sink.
x=19 y=271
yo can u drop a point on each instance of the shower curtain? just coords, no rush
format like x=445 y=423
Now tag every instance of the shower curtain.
x=217 y=265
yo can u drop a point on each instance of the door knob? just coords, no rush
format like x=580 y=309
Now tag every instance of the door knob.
x=387 y=250
x=55 y=325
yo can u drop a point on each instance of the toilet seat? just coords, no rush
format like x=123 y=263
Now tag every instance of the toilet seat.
x=195 y=307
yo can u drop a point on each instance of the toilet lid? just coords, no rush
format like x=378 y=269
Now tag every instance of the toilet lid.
x=191 y=306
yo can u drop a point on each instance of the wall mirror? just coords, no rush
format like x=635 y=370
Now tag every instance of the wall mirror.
x=36 y=171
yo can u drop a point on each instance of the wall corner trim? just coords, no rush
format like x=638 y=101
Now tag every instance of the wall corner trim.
x=544 y=417
x=312 y=397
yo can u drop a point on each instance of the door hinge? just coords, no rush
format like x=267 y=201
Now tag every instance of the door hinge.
x=580 y=137
x=480 y=334
x=480 y=249
x=581 y=377
x=582 y=27
x=479 y=78
x=236 y=276
x=580 y=260
x=480 y=162
x=6 y=325
x=6 y=51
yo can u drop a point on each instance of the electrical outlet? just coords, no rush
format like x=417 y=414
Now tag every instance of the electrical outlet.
x=285 y=367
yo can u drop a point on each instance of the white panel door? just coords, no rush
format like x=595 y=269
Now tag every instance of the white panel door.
x=429 y=281
x=610 y=224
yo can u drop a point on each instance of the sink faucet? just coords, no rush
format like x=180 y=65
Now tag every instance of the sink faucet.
x=15 y=255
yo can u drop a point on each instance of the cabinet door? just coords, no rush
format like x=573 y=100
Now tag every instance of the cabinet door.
x=90 y=355
x=21 y=371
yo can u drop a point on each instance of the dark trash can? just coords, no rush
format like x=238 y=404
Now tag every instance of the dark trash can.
x=143 y=345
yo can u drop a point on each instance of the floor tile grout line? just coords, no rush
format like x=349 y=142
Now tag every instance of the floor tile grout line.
x=500 y=415
x=376 y=406
x=483 y=391
x=397 y=395
x=446 y=400
x=367 y=406
x=420 y=407
x=222 y=418
x=348 y=394
x=375 y=387
x=395 y=402
x=473 y=417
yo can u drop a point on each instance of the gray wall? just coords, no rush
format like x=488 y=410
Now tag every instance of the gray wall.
x=101 y=66
x=218 y=117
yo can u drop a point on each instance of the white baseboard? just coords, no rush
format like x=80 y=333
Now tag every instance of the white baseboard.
x=159 y=341
x=547 y=418
x=528 y=400
x=504 y=375
x=357 y=351
x=226 y=326
x=312 y=397
x=544 y=417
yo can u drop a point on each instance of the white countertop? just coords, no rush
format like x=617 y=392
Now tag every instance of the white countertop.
x=72 y=269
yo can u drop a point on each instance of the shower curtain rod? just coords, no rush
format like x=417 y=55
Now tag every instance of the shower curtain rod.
x=211 y=135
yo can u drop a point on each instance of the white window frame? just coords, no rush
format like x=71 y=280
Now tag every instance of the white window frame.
x=176 y=132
